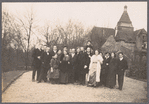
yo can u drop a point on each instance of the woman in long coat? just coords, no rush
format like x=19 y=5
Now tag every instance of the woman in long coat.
x=105 y=69
x=111 y=76
x=64 y=68
x=95 y=69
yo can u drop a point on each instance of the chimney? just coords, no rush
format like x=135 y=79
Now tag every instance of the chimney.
x=125 y=8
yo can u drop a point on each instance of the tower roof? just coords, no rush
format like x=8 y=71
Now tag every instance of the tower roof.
x=125 y=17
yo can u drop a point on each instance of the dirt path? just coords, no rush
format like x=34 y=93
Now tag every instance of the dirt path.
x=24 y=90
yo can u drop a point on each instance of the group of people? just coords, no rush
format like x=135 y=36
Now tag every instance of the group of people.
x=82 y=65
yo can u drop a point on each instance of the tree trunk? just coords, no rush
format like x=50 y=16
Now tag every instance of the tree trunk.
x=17 y=59
x=26 y=60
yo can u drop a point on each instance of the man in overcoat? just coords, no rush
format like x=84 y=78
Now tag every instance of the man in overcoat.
x=73 y=66
x=83 y=65
x=122 y=66
x=45 y=59
x=77 y=71
x=36 y=63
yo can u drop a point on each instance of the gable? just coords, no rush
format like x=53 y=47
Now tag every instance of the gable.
x=99 y=35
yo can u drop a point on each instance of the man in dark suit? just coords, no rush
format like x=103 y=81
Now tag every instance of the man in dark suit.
x=36 y=63
x=83 y=61
x=73 y=66
x=77 y=72
x=88 y=59
x=122 y=66
x=45 y=59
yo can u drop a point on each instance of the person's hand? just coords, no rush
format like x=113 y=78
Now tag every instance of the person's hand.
x=38 y=57
x=90 y=56
x=51 y=69
x=85 y=66
x=60 y=61
x=107 y=64
x=68 y=62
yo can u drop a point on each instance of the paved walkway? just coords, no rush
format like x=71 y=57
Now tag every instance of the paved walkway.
x=24 y=90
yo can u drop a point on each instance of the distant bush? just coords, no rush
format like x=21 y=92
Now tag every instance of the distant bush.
x=137 y=71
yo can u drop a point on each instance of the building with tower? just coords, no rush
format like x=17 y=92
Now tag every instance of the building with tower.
x=123 y=38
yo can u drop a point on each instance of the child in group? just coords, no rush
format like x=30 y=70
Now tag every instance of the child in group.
x=54 y=71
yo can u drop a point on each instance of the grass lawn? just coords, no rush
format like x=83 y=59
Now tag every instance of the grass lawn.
x=7 y=77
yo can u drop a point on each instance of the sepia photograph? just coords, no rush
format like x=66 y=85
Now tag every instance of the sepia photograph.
x=56 y=52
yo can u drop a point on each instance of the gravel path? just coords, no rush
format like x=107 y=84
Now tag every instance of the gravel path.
x=8 y=77
x=24 y=90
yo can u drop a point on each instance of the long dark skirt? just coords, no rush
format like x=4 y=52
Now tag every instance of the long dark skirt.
x=63 y=78
x=103 y=76
x=54 y=74
x=111 y=79
x=54 y=80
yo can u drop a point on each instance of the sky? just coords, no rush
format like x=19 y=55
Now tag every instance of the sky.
x=101 y=14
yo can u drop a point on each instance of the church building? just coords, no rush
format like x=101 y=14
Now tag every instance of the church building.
x=121 y=39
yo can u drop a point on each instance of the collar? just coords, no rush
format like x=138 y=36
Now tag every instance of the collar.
x=106 y=57
x=88 y=52
x=121 y=59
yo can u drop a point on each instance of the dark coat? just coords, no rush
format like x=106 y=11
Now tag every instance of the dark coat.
x=64 y=66
x=36 y=62
x=59 y=56
x=77 y=63
x=88 y=60
x=105 y=65
x=45 y=59
x=121 y=66
x=73 y=63
x=54 y=63
x=83 y=60
x=111 y=76
x=53 y=53
x=41 y=51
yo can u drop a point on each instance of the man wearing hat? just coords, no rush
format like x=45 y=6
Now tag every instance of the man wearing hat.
x=89 y=44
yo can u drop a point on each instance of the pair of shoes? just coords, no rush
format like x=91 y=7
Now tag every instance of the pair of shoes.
x=39 y=82
x=111 y=87
x=119 y=88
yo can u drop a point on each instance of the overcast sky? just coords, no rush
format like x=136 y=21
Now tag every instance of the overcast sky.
x=102 y=14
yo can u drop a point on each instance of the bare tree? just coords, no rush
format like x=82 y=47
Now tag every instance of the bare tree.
x=27 y=24
x=7 y=37
x=72 y=34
